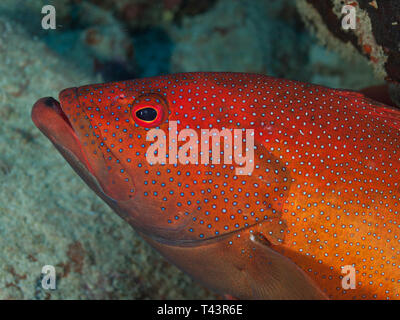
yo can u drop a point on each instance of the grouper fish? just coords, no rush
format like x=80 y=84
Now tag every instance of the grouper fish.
x=297 y=196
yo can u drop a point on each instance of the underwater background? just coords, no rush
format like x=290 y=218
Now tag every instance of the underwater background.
x=48 y=216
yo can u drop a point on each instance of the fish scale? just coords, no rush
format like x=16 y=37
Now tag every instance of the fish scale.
x=324 y=192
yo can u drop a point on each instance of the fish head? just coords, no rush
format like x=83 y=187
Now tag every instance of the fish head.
x=109 y=134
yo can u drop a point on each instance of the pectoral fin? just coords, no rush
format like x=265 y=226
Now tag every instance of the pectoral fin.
x=273 y=276
x=243 y=266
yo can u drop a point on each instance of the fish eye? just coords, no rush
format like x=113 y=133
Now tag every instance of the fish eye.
x=147 y=114
x=149 y=110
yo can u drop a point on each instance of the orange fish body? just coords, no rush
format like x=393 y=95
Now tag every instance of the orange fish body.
x=302 y=204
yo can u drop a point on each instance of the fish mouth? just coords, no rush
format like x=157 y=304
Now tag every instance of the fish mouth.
x=48 y=115
x=69 y=132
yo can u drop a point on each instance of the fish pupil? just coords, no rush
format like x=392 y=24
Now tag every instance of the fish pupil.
x=146 y=114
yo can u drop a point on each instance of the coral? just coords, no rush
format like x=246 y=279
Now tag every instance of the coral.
x=264 y=37
x=376 y=35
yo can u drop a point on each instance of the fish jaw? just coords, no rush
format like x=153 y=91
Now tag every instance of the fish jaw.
x=68 y=136
x=49 y=117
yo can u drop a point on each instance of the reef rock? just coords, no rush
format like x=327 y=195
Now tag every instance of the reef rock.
x=376 y=34
x=47 y=214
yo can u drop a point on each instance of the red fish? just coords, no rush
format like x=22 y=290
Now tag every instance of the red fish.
x=315 y=216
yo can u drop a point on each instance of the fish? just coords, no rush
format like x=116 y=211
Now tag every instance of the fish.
x=314 y=216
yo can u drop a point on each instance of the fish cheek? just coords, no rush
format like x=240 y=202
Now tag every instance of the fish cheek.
x=115 y=180
x=99 y=159
x=107 y=169
x=144 y=213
